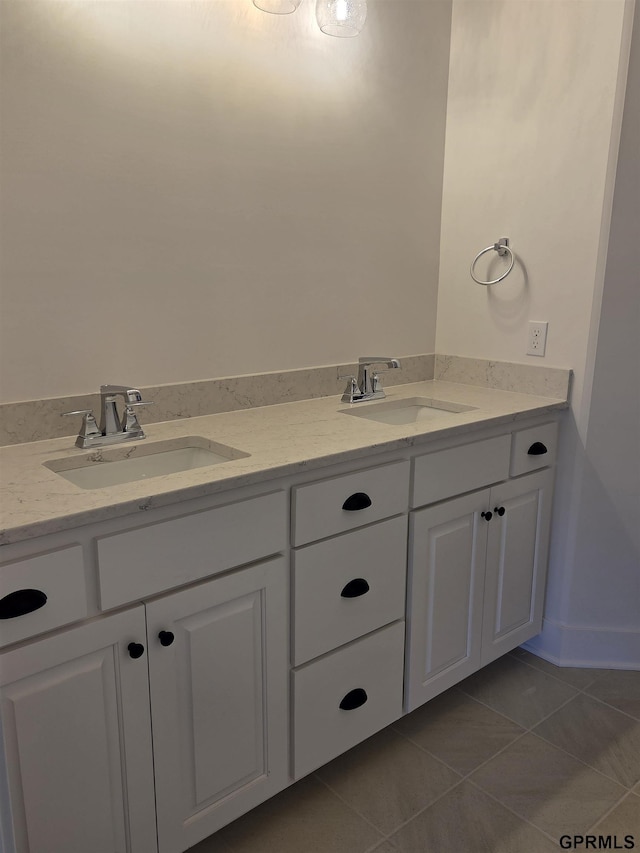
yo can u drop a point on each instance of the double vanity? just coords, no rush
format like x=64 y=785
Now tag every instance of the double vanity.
x=193 y=622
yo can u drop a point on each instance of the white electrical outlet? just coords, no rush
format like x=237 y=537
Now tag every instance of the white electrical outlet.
x=537 y=337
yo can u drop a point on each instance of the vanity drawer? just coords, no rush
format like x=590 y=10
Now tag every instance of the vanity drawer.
x=348 y=586
x=148 y=560
x=366 y=678
x=446 y=473
x=342 y=503
x=533 y=448
x=41 y=593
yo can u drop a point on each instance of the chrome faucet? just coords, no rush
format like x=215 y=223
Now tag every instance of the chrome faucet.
x=368 y=385
x=110 y=422
x=114 y=428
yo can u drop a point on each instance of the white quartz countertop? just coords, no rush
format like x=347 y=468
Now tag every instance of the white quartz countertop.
x=280 y=439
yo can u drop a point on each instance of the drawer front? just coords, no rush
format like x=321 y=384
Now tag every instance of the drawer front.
x=366 y=678
x=41 y=593
x=150 y=559
x=342 y=503
x=348 y=586
x=446 y=473
x=534 y=448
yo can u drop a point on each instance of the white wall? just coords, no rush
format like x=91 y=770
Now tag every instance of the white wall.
x=531 y=96
x=194 y=190
x=535 y=100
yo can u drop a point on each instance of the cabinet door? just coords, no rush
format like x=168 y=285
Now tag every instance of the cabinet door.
x=446 y=578
x=219 y=700
x=516 y=562
x=71 y=704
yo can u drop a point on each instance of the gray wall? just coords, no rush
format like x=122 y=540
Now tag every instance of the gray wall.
x=593 y=604
x=608 y=552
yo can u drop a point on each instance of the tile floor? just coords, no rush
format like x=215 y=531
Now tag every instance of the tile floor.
x=510 y=760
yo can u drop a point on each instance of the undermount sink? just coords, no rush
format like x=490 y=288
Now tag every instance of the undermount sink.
x=115 y=466
x=409 y=411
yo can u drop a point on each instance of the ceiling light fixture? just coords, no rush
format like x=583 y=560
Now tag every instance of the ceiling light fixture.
x=342 y=18
x=277 y=7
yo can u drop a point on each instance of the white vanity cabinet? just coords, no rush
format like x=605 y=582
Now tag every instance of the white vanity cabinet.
x=165 y=672
x=477 y=563
x=516 y=562
x=445 y=596
x=149 y=727
x=76 y=741
x=213 y=660
x=218 y=671
x=348 y=581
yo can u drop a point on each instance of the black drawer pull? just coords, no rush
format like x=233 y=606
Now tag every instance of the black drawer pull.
x=354 y=699
x=359 y=500
x=356 y=587
x=537 y=449
x=166 y=638
x=21 y=602
x=136 y=650
x=488 y=515
x=500 y=510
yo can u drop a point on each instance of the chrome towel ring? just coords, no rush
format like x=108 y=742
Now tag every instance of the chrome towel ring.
x=502 y=248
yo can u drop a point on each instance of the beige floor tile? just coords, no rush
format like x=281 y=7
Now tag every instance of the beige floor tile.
x=547 y=787
x=385 y=847
x=623 y=820
x=620 y=688
x=466 y=820
x=458 y=730
x=387 y=779
x=306 y=818
x=518 y=691
x=597 y=734
x=575 y=676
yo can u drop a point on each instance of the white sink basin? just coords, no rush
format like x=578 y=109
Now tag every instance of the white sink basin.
x=117 y=465
x=409 y=411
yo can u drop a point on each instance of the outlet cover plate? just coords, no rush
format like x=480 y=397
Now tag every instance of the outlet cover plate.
x=537 y=339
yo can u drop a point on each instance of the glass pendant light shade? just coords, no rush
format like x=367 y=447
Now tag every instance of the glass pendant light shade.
x=343 y=18
x=277 y=7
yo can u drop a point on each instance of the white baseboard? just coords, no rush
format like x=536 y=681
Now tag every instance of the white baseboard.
x=602 y=648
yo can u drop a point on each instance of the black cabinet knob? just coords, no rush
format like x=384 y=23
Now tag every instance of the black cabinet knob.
x=20 y=602
x=357 y=501
x=356 y=587
x=488 y=515
x=354 y=699
x=166 y=638
x=136 y=650
x=500 y=510
x=537 y=449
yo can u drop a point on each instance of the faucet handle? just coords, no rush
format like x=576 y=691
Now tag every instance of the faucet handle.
x=130 y=422
x=352 y=390
x=89 y=426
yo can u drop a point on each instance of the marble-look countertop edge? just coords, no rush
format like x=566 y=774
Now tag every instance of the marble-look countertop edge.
x=282 y=440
